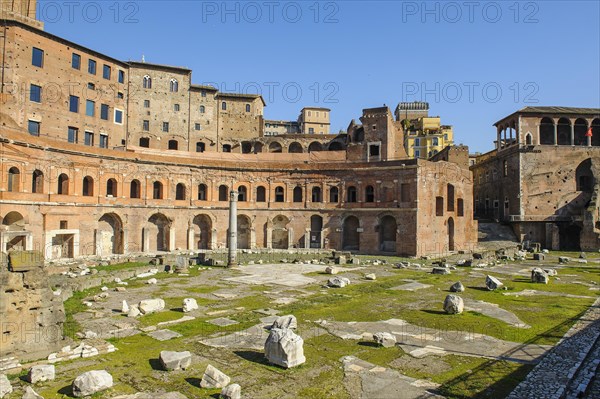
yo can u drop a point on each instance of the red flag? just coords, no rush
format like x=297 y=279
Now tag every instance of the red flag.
x=589 y=132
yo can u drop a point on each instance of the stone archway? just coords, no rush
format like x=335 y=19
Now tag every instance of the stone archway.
x=14 y=234
x=244 y=230
x=202 y=226
x=158 y=233
x=387 y=234
x=280 y=235
x=109 y=235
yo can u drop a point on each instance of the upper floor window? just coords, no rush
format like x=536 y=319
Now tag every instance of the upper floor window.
x=34 y=128
x=104 y=111
x=72 y=134
x=73 y=103
x=147 y=82
x=37 y=57
x=88 y=139
x=200 y=147
x=174 y=86
x=145 y=142
x=247 y=107
x=417 y=142
x=121 y=76
x=311 y=130
x=90 y=107
x=92 y=67
x=165 y=127
x=435 y=141
x=224 y=106
x=35 y=93
x=146 y=103
x=106 y=72
x=76 y=61
x=118 y=116
x=202 y=109
x=146 y=125
x=103 y=141
x=197 y=126
x=176 y=107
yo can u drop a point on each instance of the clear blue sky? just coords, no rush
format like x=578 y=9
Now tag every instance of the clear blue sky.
x=474 y=62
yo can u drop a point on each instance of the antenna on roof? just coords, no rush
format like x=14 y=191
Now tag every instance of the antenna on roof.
x=143 y=58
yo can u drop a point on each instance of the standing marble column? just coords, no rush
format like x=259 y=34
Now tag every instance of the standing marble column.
x=233 y=198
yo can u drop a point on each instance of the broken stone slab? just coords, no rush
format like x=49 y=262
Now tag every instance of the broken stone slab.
x=153 y=395
x=453 y=304
x=214 y=378
x=171 y=360
x=284 y=348
x=222 y=322
x=189 y=304
x=24 y=261
x=539 y=256
x=331 y=270
x=371 y=276
x=539 y=276
x=5 y=387
x=91 y=382
x=564 y=259
x=40 y=373
x=124 y=307
x=288 y=321
x=152 y=281
x=457 y=287
x=440 y=270
x=385 y=339
x=233 y=391
x=492 y=283
x=338 y=282
x=551 y=272
x=151 y=305
x=164 y=335
x=134 y=311
x=31 y=394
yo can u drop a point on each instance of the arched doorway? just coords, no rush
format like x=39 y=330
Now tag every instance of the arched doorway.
x=387 y=234
x=316 y=228
x=109 y=238
x=202 y=226
x=275 y=147
x=351 y=236
x=580 y=129
x=569 y=237
x=450 y=234
x=584 y=178
x=295 y=148
x=244 y=229
x=158 y=232
x=315 y=146
x=280 y=235
x=15 y=234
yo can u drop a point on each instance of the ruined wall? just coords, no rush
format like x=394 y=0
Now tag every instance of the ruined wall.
x=32 y=316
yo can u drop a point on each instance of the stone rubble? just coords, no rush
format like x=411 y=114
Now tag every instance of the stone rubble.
x=385 y=339
x=41 y=373
x=338 y=282
x=31 y=394
x=189 y=304
x=233 y=391
x=171 y=360
x=91 y=382
x=214 y=378
x=5 y=387
x=539 y=276
x=287 y=321
x=453 y=304
x=457 y=287
x=284 y=348
x=492 y=283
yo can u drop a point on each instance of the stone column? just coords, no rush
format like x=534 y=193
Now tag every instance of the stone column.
x=191 y=236
x=171 y=238
x=125 y=241
x=232 y=259
x=28 y=242
x=555 y=134
x=145 y=240
x=307 y=238
x=572 y=133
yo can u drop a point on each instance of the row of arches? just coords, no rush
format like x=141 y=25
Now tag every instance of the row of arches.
x=248 y=147
x=566 y=133
x=111 y=189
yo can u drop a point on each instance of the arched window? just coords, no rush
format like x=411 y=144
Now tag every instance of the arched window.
x=334 y=194
x=546 y=131
x=351 y=194
x=147 y=82
x=295 y=148
x=202 y=192
x=173 y=145
x=316 y=194
x=111 y=188
x=180 y=192
x=275 y=147
x=224 y=106
x=157 y=190
x=246 y=147
x=144 y=142
x=134 y=189
x=279 y=194
x=261 y=194
x=223 y=193
x=14 y=180
x=580 y=129
x=369 y=194
x=37 y=182
x=247 y=107
x=563 y=131
x=298 y=194
x=528 y=139
x=242 y=194
x=63 y=184
x=202 y=109
x=315 y=146
x=88 y=186
x=173 y=86
x=584 y=176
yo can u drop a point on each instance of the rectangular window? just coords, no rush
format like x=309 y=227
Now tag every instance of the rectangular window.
x=76 y=61
x=104 y=111
x=34 y=128
x=73 y=103
x=35 y=93
x=203 y=93
x=460 y=207
x=146 y=103
x=120 y=95
x=197 y=126
x=106 y=71
x=118 y=116
x=417 y=153
x=311 y=130
x=89 y=139
x=165 y=127
x=103 y=141
x=404 y=192
x=73 y=132
x=121 y=76
x=92 y=67
x=439 y=206
x=37 y=57
x=90 y=107
x=91 y=86
x=146 y=126
x=176 y=107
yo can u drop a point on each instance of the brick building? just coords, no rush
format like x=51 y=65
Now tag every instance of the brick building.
x=102 y=157
x=542 y=177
